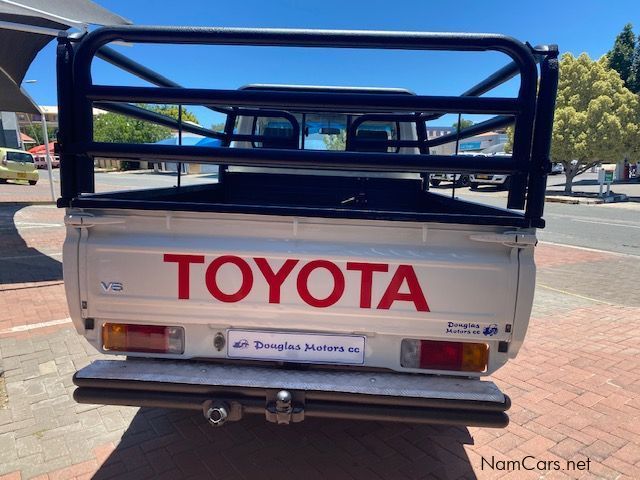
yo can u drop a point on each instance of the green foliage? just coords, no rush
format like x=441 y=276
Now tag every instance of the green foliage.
x=620 y=57
x=508 y=146
x=172 y=111
x=218 y=127
x=35 y=132
x=116 y=128
x=634 y=76
x=464 y=123
x=336 y=142
x=596 y=117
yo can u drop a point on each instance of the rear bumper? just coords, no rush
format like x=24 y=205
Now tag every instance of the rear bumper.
x=325 y=394
x=489 y=181
x=11 y=175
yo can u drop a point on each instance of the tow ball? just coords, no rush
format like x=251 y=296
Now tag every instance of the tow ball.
x=284 y=411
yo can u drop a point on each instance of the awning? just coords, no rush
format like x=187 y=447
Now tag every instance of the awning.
x=24 y=138
x=26 y=26
x=42 y=148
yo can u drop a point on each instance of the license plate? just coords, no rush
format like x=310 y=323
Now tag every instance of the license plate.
x=22 y=175
x=296 y=347
x=483 y=177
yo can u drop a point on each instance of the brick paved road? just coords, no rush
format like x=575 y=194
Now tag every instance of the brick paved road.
x=575 y=389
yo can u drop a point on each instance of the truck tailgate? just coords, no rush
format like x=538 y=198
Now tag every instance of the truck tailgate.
x=382 y=281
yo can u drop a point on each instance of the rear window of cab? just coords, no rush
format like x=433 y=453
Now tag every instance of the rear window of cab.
x=19 y=157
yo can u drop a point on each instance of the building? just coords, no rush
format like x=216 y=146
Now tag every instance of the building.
x=9 y=131
x=50 y=115
x=476 y=143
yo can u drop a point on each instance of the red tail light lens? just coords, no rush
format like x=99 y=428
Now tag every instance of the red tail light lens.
x=453 y=356
x=122 y=337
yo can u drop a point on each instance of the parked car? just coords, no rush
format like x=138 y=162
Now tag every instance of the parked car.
x=17 y=165
x=556 y=168
x=41 y=160
x=455 y=178
x=477 y=179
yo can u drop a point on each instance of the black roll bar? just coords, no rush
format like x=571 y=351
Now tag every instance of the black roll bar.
x=78 y=94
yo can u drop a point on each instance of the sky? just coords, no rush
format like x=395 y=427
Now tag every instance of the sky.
x=575 y=25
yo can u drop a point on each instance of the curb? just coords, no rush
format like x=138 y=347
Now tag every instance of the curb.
x=615 y=198
x=29 y=202
x=574 y=200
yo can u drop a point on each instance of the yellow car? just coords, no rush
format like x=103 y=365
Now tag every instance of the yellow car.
x=17 y=165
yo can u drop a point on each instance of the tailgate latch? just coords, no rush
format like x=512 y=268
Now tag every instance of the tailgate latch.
x=510 y=239
x=283 y=411
x=86 y=220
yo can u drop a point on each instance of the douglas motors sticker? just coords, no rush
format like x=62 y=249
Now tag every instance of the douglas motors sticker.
x=471 y=329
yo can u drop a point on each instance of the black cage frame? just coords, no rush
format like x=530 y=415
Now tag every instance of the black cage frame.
x=531 y=111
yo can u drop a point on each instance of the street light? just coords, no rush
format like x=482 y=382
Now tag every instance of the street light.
x=45 y=135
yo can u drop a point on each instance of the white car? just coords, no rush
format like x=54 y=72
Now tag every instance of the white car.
x=477 y=179
x=459 y=180
x=556 y=168
x=40 y=160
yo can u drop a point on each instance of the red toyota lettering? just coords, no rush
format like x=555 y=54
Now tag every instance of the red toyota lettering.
x=275 y=279
x=303 y=287
x=212 y=281
x=366 y=279
x=183 y=262
x=415 y=295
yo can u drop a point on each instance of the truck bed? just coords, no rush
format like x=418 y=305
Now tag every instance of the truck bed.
x=311 y=196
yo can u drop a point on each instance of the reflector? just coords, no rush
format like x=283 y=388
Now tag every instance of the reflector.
x=436 y=355
x=122 y=337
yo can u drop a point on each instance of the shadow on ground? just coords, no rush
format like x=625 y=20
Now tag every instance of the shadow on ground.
x=20 y=262
x=177 y=444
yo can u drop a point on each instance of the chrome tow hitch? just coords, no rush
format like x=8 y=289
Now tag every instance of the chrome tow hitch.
x=284 y=410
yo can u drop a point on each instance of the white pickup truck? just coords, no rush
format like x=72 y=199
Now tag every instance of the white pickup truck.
x=318 y=277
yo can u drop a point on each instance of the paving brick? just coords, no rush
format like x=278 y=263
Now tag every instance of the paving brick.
x=11 y=476
x=574 y=387
x=28 y=445
x=599 y=450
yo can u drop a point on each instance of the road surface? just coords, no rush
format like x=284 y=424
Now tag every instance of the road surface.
x=610 y=227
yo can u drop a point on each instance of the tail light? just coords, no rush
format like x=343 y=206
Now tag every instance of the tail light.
x=454 y=356
x=122 y=337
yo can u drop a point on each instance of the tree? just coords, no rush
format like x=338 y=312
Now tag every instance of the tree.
x=116 y=128
x=218 y=127
x=596 y=117
x=336 y=142
x=634 y=76
x=35 y=131
x=464 y=123
x=113 y=127
x=172 y=111
x=620 y=57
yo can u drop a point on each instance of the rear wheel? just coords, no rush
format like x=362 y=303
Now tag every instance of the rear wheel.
x=463 y=181
x=32 y=182
x=434 y=183
x=473 y=186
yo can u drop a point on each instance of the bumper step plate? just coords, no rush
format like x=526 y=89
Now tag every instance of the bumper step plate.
x=411 y=398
